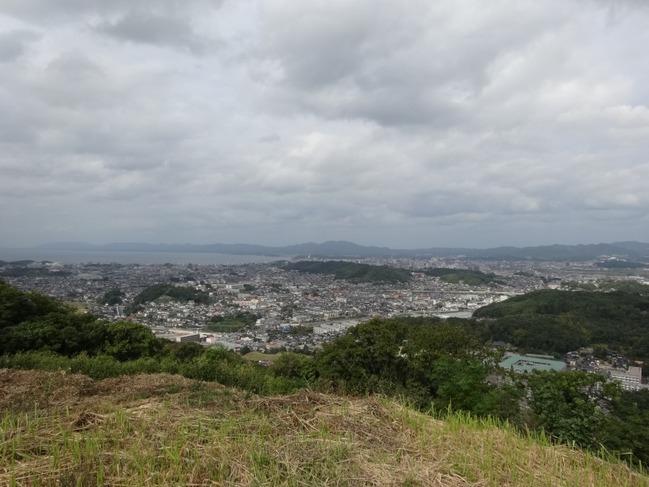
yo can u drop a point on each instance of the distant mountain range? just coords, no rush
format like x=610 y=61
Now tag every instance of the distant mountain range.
x=337 y=249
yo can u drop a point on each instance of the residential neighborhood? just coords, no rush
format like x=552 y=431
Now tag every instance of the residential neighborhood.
x=300 y=311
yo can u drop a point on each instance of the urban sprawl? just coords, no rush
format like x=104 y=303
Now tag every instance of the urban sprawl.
x=299 y=311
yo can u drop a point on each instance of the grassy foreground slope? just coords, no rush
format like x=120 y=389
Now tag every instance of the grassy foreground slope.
x=66 y=429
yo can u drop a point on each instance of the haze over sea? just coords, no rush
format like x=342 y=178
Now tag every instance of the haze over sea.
x=125 y=257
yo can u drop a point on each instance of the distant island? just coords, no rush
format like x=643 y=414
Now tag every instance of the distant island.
x=636 y=253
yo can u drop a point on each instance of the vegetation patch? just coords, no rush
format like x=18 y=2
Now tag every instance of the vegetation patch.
x=232 y=323
x=112 y=297
x=464 y=276
x=352 y=271
x=608 y=285
x=177 y=293
x=257 y=356
x=559 y=321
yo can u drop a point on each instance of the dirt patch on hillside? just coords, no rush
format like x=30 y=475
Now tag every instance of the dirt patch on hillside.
x=29 y=389
x=127 y=388
x=367 y=420
x=20 y=389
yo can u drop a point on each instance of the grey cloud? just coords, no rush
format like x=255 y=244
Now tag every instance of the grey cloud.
x=70 y=81
x=156 y=29
x=393 y=68
x=47 y=12
x=266 y=139
x=393 y=124
x=13 y=44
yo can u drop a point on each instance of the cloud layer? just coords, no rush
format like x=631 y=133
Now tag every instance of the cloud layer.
x=281 y=121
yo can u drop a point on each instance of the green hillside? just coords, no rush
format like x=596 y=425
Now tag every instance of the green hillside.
x=558 y=321
x=177 y=293
x=465 y=276
x=352 y=271
x=232 y=323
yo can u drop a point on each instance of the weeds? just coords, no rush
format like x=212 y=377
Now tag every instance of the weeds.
x=167 y=430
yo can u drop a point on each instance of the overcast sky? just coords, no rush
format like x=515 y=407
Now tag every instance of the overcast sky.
x=407 y=124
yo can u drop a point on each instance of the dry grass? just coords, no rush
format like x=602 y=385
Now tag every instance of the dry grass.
x=66 y=430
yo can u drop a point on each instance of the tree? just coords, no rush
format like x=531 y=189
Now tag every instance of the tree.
x=423 y=359
x=451 y=364
x=295 y=366
x=17 y=306
x=128 y=341
x=366 y=359
x=568 y=405
x=184 y=352
x=112 y=297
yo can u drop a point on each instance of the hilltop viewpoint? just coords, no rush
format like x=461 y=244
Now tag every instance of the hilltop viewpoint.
x=66 y=429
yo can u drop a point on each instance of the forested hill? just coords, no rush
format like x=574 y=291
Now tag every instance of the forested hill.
x=559 y=321
x=176 y=293
x=466 y=276
x=352 y=271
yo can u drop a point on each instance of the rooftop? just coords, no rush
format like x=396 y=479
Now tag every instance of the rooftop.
x=528 y=363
